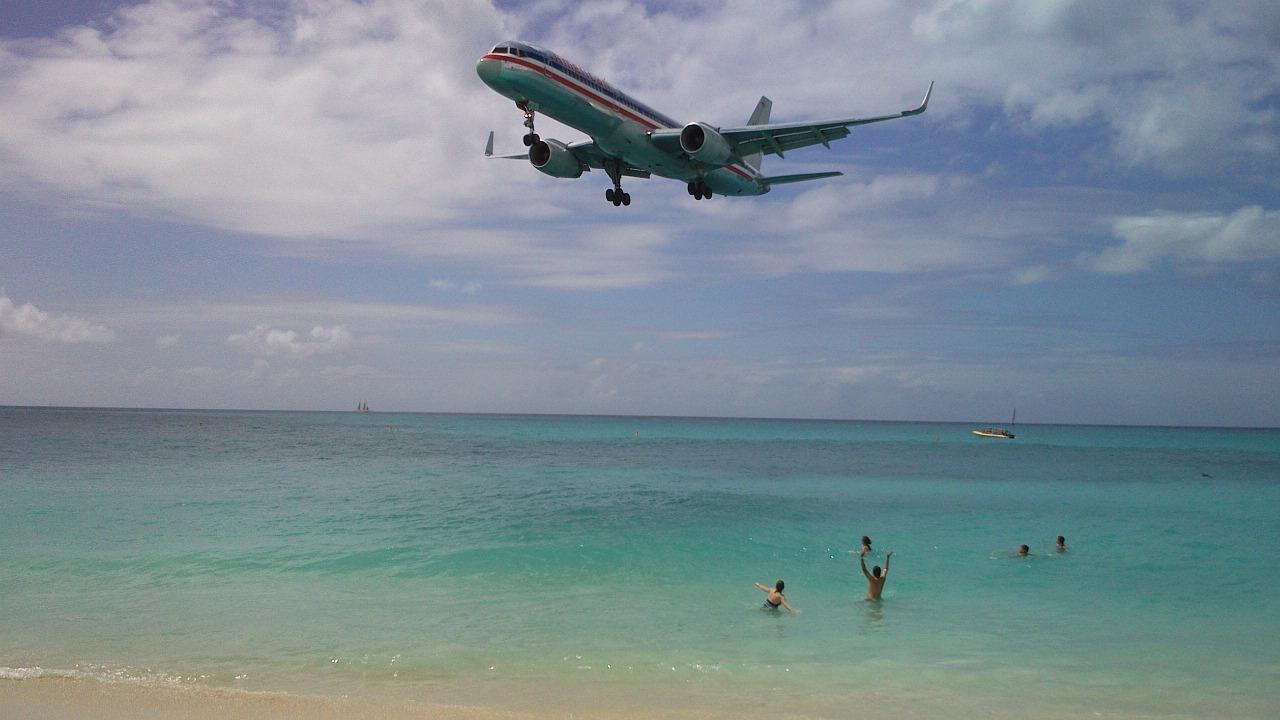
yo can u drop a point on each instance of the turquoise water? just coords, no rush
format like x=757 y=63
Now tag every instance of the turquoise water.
x=390 y=553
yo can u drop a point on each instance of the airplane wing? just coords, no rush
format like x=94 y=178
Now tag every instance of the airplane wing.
x=585 y=150
x=592 y=156
x=778 y=138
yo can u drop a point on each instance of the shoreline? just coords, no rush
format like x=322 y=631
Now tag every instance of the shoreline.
x=75 y=698
x=62 y=697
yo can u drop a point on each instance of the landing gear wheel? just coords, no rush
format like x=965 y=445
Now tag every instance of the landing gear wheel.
x=530 y=137
x=693 y=188
x=706 y=193
x=615 y=194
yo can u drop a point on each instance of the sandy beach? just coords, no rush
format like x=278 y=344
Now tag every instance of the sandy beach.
x=60 y=698
x=72 y=699
x=88 y=699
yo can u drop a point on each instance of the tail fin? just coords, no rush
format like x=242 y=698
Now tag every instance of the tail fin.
x=759 y=117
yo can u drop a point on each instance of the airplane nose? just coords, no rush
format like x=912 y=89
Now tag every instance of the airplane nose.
x=488 y=70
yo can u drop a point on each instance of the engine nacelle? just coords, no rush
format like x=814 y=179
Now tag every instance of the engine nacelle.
x=555 y=159
x=705 y=145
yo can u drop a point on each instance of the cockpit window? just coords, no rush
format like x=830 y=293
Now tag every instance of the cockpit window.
x=501 y=50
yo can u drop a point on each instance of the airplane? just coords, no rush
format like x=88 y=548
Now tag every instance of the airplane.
x=630 y=139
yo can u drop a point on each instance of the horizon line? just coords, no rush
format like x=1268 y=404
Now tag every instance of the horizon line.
x=626 y=415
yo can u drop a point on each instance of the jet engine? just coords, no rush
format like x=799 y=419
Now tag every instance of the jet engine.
x=555 y=159
x=704 y=144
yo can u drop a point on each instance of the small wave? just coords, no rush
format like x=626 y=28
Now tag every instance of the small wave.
x=33 y=673
x=101 y=673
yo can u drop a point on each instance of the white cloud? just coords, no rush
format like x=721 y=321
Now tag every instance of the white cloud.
x=267 y=341
x=1032 y=275
x=315 y=312
x=342 y=119
x=202 y=372
x=873 y=226
x=1178 y=85
x=29 y=321
x=364 y=120
x=467 y=288
x=167 y=341
x=1248 y=234
x=695 y=335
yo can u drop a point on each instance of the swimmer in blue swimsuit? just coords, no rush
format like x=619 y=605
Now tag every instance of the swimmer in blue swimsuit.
x=774 y=598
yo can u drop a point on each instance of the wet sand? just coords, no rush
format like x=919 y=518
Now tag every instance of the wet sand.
x=85 y=699
x=58 y=698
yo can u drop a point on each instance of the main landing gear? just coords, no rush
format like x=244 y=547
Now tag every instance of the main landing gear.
x=615 y=194
x=530 y=137
x=699 y=189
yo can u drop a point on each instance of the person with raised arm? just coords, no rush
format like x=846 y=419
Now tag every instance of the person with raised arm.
x=875 y=578
x=774 y=597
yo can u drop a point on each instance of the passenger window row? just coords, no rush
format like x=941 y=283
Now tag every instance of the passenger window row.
x=584 y=78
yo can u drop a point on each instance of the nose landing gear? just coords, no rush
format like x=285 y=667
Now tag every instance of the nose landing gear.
x=530 y=137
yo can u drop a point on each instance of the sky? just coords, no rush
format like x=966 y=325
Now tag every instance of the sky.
x=285 y=205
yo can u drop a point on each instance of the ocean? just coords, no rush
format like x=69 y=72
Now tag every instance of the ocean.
x=598 y=565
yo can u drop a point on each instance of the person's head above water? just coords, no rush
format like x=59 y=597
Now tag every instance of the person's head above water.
x=779 y=585
x=875 y=571
x=1062 y=542
x=866 y=541
x=1024 y=550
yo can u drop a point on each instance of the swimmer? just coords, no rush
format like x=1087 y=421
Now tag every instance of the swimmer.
x=1062 y=544
x=774 y=597
x=875 y=579
x=1023 y=551
x=866 y=544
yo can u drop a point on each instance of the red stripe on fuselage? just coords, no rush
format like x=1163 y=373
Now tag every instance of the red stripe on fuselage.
x=574 y=86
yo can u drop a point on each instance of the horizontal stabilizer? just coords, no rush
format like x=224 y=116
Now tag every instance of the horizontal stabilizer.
x=782 y=179
x=488 y=152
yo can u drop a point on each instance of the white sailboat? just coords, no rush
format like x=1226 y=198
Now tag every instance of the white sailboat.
x=998 y=432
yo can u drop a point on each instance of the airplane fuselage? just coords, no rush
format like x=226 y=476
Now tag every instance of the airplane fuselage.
x=541 y=81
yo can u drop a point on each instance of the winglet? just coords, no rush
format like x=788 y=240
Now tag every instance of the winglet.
x=924 y=104
x=488 y=148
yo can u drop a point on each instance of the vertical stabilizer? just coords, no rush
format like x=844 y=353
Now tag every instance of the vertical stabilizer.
x=761 y=114
x=759 y=117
